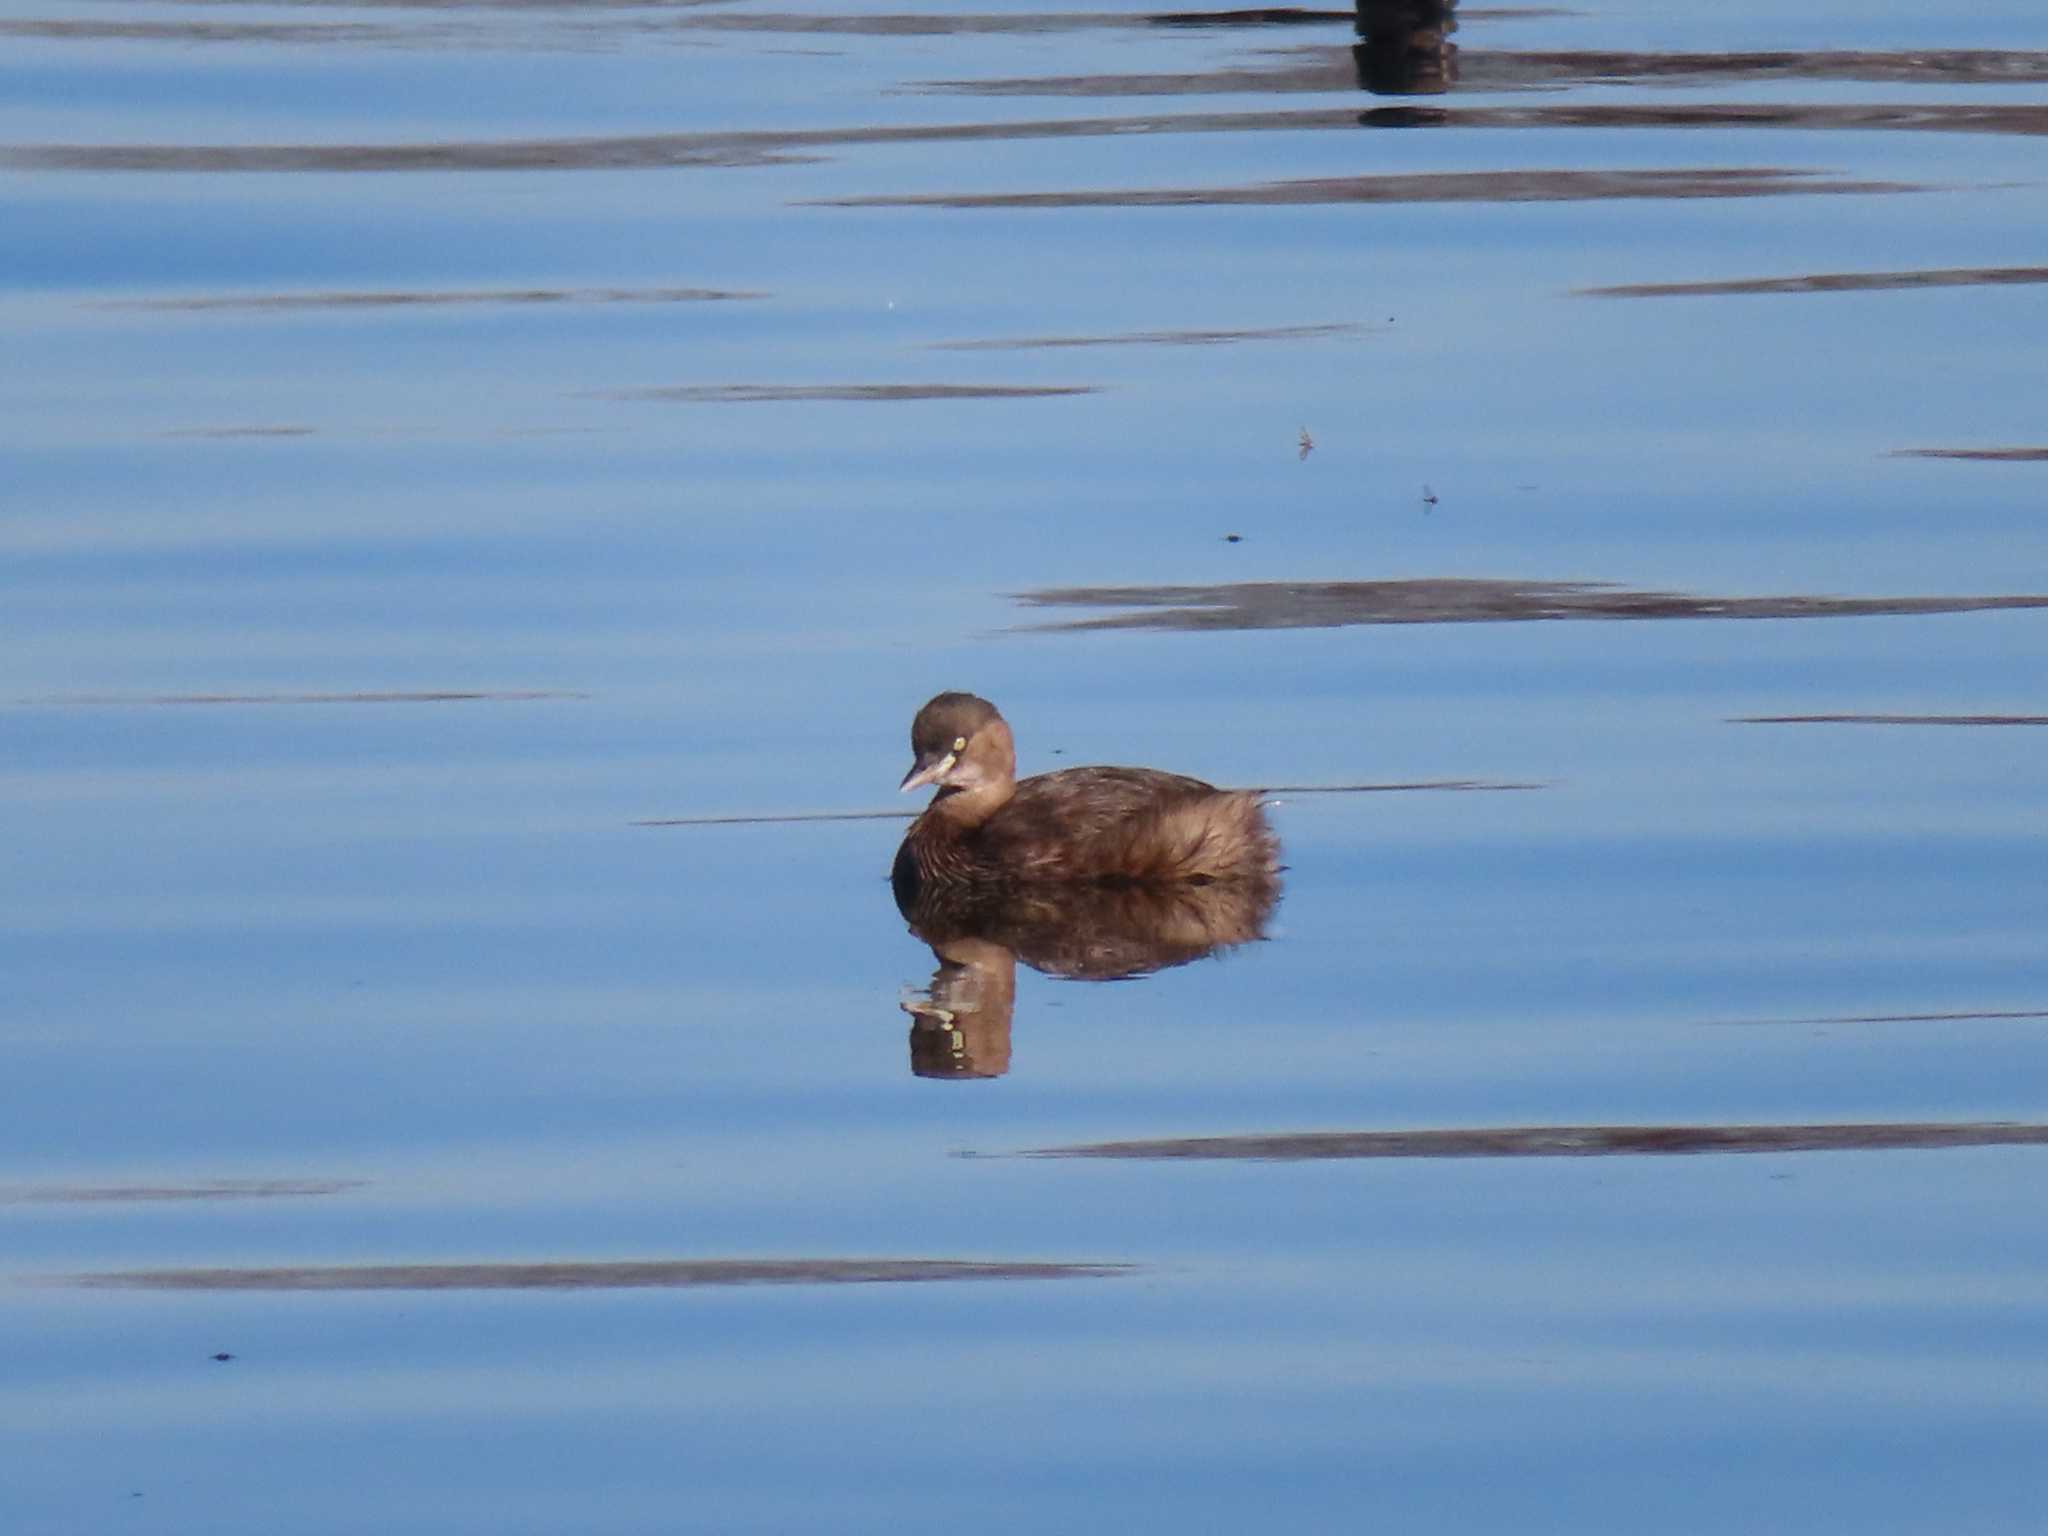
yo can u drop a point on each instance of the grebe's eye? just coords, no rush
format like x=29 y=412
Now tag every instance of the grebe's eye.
x=959 y=743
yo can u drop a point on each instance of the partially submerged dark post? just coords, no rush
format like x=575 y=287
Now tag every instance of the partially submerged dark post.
x=1405 y=47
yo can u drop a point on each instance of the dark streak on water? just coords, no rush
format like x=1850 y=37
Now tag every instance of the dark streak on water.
x=1155 y=338
x=1260 y=16
x=399 y=299
x=354 y=34
x=1333 y=69
x=1447 y=187
x=1447 y=785
x=626 y=1275
x=900 y=24
x=649 y=20
x=1984 y=455
x=248 y=431
x=1888 y=720
x=739 y=149
x=1454 y=786
x=721 y=150
x=517 y=696
x=752 y=394
x=1919 y=66
x=1978 y=1015
x=781 y=820
x=563 y=6
x=218 y=1189
x=1333 y=604
x=668 y=151
x=1831 y=282
x=1564 y=1141
x=2020 y=121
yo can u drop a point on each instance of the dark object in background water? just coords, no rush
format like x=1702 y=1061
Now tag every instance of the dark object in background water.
x=986 y=832
x=1404 y=47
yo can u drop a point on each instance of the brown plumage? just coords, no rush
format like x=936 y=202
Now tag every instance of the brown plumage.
x=1096 y=930
x=986 y=832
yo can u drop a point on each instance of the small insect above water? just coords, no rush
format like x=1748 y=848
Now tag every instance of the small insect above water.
x=1308 y=444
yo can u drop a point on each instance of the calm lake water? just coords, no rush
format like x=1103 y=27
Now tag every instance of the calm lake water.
x=480 y=481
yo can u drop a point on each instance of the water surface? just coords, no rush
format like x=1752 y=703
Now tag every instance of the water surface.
x=486 y=486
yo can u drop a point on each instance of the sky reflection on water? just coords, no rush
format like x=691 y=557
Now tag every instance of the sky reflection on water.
x=456 y=1020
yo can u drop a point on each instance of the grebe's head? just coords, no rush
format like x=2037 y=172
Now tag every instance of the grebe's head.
x=960 y=743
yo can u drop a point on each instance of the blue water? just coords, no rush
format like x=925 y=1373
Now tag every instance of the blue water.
x=312 y=967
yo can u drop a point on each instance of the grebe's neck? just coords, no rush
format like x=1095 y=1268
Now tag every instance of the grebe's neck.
x=967 y=809
x=982 y=780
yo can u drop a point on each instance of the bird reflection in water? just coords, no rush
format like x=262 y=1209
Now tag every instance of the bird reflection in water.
x=1088 y=874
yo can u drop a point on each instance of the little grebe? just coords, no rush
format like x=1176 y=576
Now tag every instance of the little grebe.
x=986 y=832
